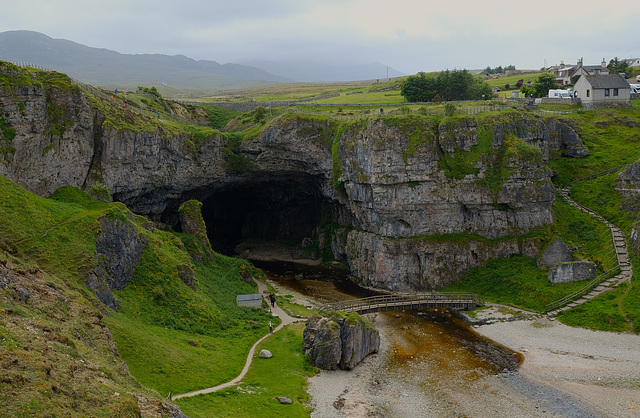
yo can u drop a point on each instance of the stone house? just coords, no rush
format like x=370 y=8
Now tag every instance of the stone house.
x=602 y=90
x=564 y=73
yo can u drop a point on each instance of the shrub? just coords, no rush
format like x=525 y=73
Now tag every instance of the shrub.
x=100 y=192
x=450 y=109
x=260 y=114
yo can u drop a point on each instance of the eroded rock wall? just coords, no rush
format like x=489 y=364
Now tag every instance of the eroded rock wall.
x=47 y=137
x=421 y=264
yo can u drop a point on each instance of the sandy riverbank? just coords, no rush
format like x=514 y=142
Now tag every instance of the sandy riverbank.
x=566 y=372
x=601 y=369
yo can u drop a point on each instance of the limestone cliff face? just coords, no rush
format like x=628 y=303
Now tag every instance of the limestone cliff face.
x=415 y=264
x=47 y=139
x=399 y=184
x=149 y=170
x=389 y=181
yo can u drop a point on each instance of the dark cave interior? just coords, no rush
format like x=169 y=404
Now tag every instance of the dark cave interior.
x=277 y=208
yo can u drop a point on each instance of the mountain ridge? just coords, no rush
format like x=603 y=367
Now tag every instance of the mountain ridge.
x=315 y=72
x=107 y=68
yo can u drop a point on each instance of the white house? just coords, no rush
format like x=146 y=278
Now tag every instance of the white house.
x=633 y=62
x=602 y=90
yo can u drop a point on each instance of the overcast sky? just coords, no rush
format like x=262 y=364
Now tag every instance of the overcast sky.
x=408 y=35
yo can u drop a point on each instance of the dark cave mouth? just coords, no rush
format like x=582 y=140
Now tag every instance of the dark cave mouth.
x=286 y=210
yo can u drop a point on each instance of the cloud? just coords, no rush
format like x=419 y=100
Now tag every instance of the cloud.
x=408 y=35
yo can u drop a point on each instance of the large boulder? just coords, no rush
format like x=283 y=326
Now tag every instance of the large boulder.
x=340 y=342
x=556 y=252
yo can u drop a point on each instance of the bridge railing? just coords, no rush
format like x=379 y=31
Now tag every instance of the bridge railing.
x=400 y=300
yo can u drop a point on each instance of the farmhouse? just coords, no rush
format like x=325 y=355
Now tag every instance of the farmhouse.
x=565 y=73
x=602 y=90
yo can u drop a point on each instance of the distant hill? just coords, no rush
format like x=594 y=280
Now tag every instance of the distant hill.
x=105 y=68
x=306 y=71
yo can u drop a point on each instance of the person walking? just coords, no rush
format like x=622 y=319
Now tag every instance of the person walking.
x=270 y=327
x=272 y=298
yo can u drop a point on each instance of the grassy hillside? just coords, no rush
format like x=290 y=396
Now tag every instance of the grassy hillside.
x=56 y=345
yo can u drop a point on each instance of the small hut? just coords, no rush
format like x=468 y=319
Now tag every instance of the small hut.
x=253 y=300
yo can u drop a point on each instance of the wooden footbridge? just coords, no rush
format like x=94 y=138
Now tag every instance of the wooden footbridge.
x=457 y=301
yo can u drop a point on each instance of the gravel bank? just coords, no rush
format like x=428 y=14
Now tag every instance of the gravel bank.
x=601 y=369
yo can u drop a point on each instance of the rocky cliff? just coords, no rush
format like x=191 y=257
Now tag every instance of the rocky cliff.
x=412 y=201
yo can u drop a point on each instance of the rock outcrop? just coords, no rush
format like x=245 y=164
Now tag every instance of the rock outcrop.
x=192 y=223
x=119 y=249
x=556 y=252
x=341 y=343
x=628 y=181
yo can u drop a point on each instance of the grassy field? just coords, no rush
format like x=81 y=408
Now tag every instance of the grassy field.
x=285 y=374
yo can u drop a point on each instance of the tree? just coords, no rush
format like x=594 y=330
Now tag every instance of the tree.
x=543 y=84
x=618 y=66
x=446 y=86
x=419 y=88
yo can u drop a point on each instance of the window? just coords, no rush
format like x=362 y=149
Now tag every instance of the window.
x=596 y=71
x=588 y=93
x=606 y=93
x=615 y=92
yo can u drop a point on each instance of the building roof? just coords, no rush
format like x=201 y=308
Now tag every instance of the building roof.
x=590 y=69
x=253 y=296
x=606 y=81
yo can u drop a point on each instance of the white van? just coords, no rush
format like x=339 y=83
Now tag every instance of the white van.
x=635 y=88
x=559 y=94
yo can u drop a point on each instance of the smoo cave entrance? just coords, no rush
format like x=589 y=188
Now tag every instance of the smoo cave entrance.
x=265 y=218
